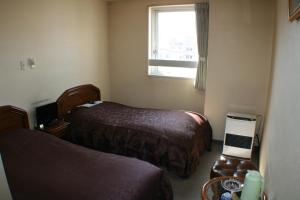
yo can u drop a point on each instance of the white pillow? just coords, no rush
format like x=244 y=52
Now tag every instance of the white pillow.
x=88 y=105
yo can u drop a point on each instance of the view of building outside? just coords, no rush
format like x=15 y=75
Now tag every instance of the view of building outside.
x=177 y=39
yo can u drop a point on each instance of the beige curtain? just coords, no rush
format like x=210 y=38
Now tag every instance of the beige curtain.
x=202 y=20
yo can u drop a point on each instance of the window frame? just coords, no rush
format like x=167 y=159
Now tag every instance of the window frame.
x=153 y=40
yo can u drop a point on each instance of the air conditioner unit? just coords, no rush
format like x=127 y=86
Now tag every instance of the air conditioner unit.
x=239 y=135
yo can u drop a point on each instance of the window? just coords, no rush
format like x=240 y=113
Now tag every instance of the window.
x=173 y=48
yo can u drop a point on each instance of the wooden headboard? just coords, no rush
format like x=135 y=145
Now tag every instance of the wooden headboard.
x=76 y=96
x=12 y=118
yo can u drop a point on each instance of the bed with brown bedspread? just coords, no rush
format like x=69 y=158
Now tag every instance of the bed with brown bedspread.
x=172 y=139
x=40 y=166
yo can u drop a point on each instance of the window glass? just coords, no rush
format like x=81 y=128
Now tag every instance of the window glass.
x=176 y=37
x=173 y=48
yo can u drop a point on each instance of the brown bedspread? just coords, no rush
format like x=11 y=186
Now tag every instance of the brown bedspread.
x=41 y=167
x=168 y=138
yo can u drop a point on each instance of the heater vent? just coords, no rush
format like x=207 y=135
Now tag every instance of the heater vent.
x=238 y=141
x=239 y=135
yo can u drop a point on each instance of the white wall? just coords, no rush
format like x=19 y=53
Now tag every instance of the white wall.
x=239 y=60
x=280 y=152
x=128 y=50
x=68 y=39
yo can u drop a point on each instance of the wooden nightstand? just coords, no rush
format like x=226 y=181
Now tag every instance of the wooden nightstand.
x=58 y=129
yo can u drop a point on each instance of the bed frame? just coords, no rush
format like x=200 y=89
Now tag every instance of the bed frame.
x=76 y=96
x=13 y=118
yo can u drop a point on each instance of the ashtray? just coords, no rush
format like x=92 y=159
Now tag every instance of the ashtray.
x=232 y=185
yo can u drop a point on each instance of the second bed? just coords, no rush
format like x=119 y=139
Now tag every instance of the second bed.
x=171 y=139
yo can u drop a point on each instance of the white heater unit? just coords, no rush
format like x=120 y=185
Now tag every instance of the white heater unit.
x=239 y=135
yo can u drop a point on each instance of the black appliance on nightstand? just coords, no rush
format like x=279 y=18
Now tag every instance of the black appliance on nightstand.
x=46 y=115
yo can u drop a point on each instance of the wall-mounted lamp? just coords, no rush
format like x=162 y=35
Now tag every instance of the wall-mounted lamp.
x=31 y=63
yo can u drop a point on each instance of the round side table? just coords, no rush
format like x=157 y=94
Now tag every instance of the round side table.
x=212 y=189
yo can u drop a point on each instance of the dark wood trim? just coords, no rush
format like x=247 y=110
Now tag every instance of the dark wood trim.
x=58 y=129
x=76 y=96
x=13 y=118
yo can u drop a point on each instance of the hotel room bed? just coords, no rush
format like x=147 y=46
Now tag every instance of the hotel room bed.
x=41 y=166
x=171 y=139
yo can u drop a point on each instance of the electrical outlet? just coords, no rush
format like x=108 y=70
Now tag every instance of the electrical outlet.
x=22 y=65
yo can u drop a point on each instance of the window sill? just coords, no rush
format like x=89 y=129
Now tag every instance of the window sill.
x=169 y=77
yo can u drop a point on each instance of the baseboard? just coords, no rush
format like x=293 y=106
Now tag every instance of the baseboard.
x=219 y=142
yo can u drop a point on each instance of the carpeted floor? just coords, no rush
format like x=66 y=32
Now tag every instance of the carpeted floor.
x=190 y=189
